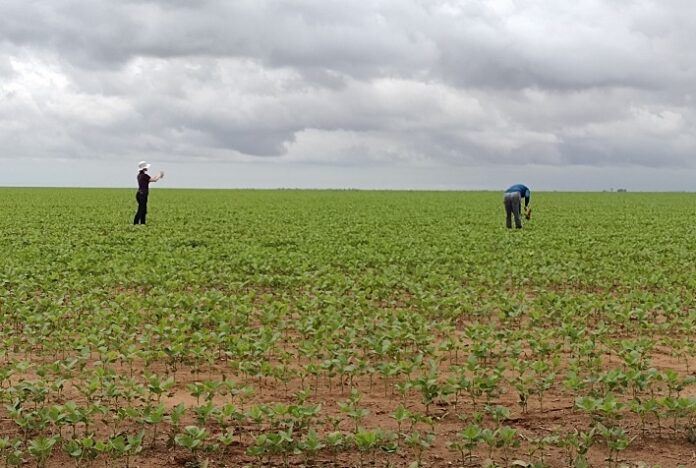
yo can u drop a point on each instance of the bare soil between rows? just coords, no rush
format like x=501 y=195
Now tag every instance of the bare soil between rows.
x=664 y=449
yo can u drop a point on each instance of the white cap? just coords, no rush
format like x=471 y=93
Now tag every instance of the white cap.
x=143 y=165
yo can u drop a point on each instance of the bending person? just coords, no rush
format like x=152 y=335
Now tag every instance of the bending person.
x=512 y=201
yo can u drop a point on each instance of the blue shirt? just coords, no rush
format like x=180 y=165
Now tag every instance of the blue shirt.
x=523 y=190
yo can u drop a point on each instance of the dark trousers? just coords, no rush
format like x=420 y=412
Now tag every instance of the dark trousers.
x=512 y=202
x=141 y=198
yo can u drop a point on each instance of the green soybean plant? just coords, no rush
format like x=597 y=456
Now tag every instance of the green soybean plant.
x=192 y=439
x=11 y=450
x=467 y=441
x=41 y=448
x=367 y=442
x=310 y=445
x=419 y=443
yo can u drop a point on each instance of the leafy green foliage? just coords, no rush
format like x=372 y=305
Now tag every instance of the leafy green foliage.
x=281 y=324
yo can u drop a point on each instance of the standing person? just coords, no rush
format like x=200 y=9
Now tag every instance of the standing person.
x=513 y=200
x=144 y=180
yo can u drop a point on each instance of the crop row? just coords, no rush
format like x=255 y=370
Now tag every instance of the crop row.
x=347 y=328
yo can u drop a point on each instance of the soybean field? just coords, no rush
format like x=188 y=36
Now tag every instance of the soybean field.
x=346 y=329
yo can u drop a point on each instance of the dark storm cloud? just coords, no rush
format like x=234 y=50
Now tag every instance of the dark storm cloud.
x=341 y=82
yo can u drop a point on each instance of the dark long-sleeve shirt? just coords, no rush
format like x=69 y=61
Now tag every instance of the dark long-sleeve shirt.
x=143 y=182
x=523 y=191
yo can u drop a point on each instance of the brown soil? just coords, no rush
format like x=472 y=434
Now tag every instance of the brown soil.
x=664 y=449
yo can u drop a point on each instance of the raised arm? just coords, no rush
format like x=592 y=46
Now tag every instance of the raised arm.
x=157 y=177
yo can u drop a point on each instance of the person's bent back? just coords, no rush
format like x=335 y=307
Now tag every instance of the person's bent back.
x=512 y=200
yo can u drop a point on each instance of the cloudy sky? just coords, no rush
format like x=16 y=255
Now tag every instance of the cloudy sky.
x=421 y=94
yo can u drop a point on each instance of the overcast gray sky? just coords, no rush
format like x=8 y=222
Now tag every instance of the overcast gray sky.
x=441 y=94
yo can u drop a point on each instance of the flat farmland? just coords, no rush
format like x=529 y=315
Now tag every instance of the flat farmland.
x=347 y=329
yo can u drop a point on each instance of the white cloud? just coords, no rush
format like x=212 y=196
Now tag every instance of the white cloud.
x=437 y=83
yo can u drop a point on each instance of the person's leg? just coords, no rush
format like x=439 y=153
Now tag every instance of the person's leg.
x=507 y=201
x=142 y=219
x=142 y=208
x=516 y=203
x=136 y=220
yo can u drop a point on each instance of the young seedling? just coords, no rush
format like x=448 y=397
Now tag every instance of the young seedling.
x=429 y=388
x=367 y=442
x=544 y=379
x=538 y=447
x=310 y=445
x=616 y=439
x=400 y=415
x=419 y=443
x=153 y=416
x=175 y=416
x=157 y=387
x=41 y=448
x=352 y=410
x=498 y=413
x=506 y=439
x=11 y=451
x=335 y=441
x=127 y=446
x=576 y=445
x=470 y=437
x=193 y=439
x=81 y=449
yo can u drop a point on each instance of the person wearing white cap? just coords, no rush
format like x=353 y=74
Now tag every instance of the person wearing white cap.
x=144 y=180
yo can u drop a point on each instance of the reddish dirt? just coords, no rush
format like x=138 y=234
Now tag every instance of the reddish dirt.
x=665 y=449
